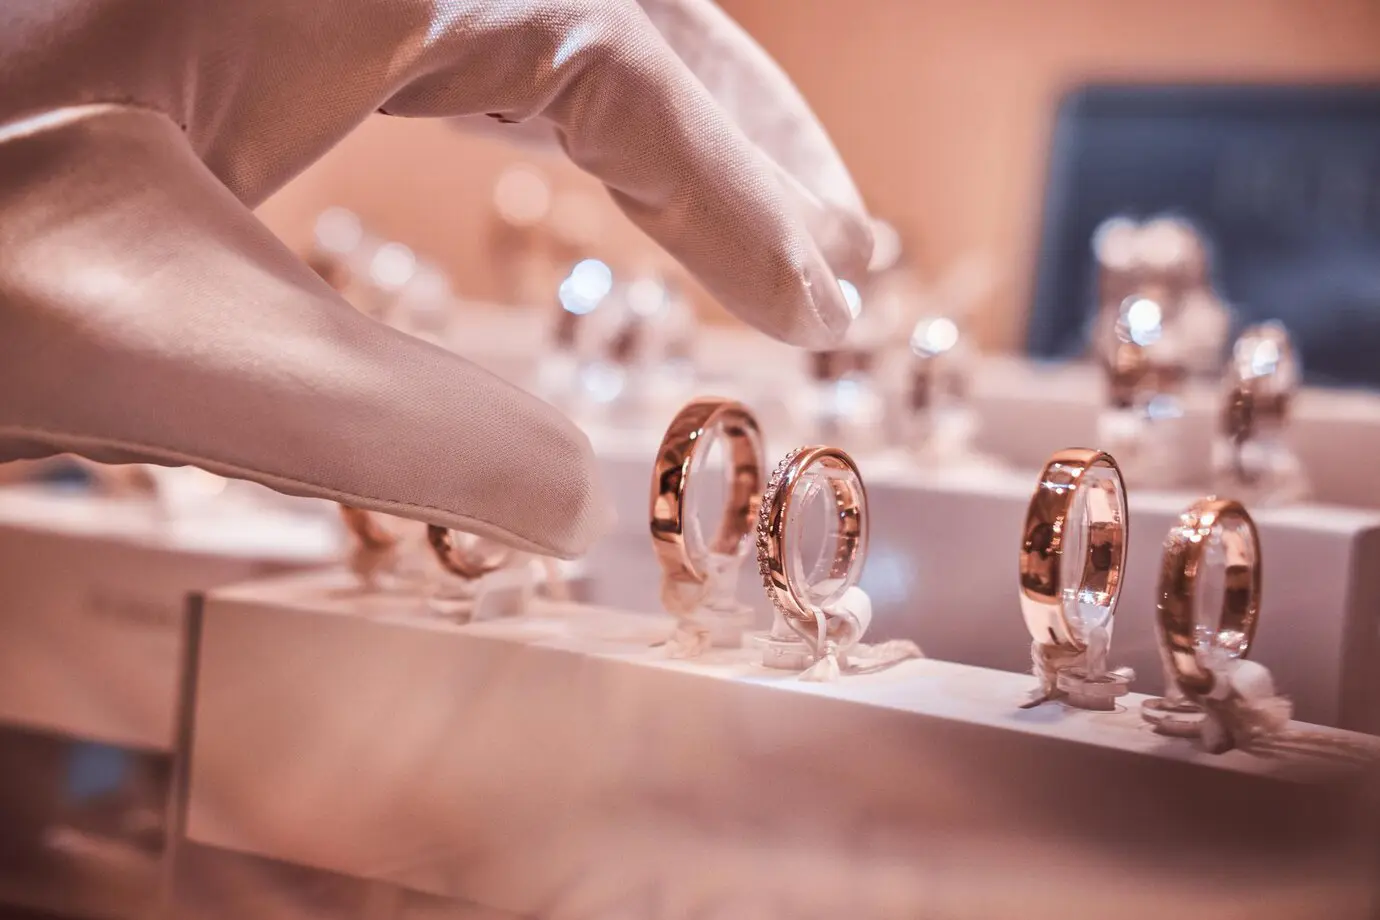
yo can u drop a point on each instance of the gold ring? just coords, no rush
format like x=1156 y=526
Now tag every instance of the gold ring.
x=474 y=559
x=366 y=529
x=1261 y=379
x=683 y=445
x=796 y=593
x=470 y=557
x=1210 y=526
x=1079 y=504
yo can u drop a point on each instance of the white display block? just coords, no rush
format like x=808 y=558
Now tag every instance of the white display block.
x=942 y=570
x=556 y=766
x=94 y=595
x=1027 y=411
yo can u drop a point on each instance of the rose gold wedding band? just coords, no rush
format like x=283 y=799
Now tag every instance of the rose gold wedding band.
x=476 y=558
x=469 y=562
x=1261 y=383
x=776 y=541
x=1128 y=366
x=1185 y=552
x=1132 y=375
x=676 y=458
x=366 y=529
x=1052 y=609
x=1247 y=413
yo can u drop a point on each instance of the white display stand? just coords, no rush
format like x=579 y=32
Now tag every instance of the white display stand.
x=556 y=766
x=1027 y=411
x=94 y=593
x=942 y=571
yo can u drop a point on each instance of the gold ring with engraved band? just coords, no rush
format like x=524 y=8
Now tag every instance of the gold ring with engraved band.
x=777 y=553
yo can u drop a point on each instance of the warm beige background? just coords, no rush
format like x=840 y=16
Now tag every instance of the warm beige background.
x=941 y=107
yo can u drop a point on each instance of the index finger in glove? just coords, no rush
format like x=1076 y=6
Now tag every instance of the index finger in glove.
x=146 y=316
x=630 y=112
x=766 y=106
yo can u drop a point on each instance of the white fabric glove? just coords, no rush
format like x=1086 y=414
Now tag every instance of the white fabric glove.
x=146 y=316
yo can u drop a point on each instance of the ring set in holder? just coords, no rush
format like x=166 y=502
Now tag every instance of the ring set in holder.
x=465 y=556
x=779 y=558
x=1077 y=516
x=1252 y=455
x=1072 y=568
x=769 y=513
x=1195 y=652
x=675 y=539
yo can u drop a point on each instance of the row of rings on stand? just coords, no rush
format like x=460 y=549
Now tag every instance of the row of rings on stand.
x=755 y=504
x=1080 y=501
x=1072 y=558
x=752 y=508
x=761 y=506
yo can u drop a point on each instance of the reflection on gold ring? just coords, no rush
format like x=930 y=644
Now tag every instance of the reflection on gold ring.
x=775 y=547
x=1181 y=568
x=1046 y=601
x=676 y=457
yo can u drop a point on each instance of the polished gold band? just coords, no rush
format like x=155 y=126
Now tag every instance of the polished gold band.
x=469 y=557
x=367 y=530
x=1180 y=569
x=1045 y=599
x=1131 y=375
x=1249 y=412
x=680 y=449
x=775 y=539
x=466 y=555
x=1262 y=377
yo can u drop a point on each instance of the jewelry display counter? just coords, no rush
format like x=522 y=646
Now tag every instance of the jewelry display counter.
x=95 y=586
x=90 y=672
x=560 y=765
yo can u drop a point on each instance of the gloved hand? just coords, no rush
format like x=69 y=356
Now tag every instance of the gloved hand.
x=146 y=315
